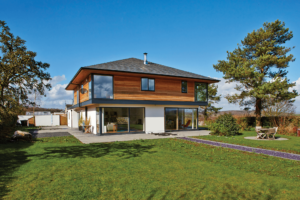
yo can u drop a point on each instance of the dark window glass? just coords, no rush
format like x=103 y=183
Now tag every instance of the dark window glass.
x=103 y=87
x=145 y=84
x=200 y=91
x=151 y=84
x=148 y=84
x=184 y=87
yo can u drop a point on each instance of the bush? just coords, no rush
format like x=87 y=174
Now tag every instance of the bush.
x=243 y=123
x=224 y=125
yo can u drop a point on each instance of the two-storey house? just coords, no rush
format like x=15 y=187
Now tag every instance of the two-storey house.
x=133 y=95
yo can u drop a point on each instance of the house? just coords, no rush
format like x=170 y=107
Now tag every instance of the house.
x=133 y=95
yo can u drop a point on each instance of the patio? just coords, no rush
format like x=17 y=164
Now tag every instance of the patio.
x=91 y=138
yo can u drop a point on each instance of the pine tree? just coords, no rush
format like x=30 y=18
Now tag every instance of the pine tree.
x=212 y=99
x=20 y=74
x=259 y=65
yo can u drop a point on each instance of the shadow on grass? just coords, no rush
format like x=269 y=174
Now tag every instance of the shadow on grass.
x=12 y=156
x=123 y=150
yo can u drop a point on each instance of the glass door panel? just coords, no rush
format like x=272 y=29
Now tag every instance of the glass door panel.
x=136 y=119
x=187 y=118
x=115 y=120
x=171 y=119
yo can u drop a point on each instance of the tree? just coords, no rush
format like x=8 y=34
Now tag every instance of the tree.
x=259 y=65
x=279 y=108
x=212 y=99
x=20 y=74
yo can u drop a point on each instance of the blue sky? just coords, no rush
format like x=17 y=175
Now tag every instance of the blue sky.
x=188 y=35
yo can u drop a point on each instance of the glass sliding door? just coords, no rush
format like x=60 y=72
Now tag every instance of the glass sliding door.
x=181 y=119
x=115 y=120
x=136 y=119
x=171 y=119
x=187 y=118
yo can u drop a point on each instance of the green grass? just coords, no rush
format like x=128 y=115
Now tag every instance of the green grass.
x=26 y=128
x=292 y=145
x=63 y=168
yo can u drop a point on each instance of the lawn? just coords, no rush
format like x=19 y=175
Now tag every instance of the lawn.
x=292 y=145
x=63 y=168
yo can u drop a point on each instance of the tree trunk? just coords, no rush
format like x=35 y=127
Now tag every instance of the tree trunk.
x=258 y=112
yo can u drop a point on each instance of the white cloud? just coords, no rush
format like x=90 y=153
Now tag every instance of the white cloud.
x=57 y=79
x=57 y=97
x=225 y=89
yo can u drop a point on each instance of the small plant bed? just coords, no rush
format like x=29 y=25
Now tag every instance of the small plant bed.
x=291 y=145
x=49 y=168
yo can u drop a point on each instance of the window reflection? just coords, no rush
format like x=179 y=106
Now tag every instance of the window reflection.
x=200 y=91
x=103 y=87
x=151 y=84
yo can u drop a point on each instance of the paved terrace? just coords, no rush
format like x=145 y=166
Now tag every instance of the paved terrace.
x=92 y=138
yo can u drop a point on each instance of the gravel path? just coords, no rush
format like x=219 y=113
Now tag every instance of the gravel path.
x=279 y=154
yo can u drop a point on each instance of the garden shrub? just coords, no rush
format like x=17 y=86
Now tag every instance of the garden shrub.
x=243 y=123
x=224 y=125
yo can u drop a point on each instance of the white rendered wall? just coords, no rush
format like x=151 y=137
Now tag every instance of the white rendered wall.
x=69 y=118
x=154 y=119
x=47 y=120
x=92 y=115
x=75 y=119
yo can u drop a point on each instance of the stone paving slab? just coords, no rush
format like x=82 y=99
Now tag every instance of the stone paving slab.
x=279 y=154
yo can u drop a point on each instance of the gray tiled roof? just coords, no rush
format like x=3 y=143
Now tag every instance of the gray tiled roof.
x=138 y=66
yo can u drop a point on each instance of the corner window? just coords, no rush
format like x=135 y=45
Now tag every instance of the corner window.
x=183 y=87
x=148 y=84
x=103 y=87
x=90 y=90
x=201 y=92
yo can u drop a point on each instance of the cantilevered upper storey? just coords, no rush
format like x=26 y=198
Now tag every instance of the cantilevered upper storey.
x=135 y=81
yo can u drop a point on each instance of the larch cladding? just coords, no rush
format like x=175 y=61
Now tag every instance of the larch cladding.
x=129 y=88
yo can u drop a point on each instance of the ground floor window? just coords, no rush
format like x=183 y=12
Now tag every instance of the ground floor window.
x=181 y=118
x=120 y=120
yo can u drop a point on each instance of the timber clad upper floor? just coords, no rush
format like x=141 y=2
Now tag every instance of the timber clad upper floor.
x=134 y=84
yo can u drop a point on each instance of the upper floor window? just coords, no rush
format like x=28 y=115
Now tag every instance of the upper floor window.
x=148 y=84
x=183 y=86
x=90 y=90
x=200 y=91
x=103 y=87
